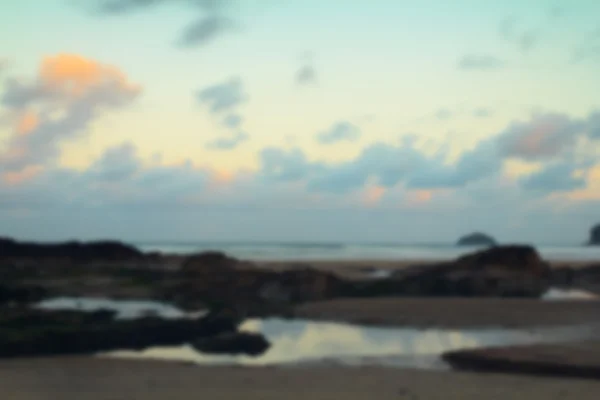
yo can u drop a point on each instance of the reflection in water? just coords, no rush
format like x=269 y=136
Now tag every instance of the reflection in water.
x=303 y=341
x=126 y=309
x=568 y=294
x=295 y=342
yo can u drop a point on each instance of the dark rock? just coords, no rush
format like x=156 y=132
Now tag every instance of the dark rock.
x=72 y=251
x=37 y=332
x=220 y=281
x=234 y=343
x=22 y=294
x=307 y=284
x=563 y=276
x=578 y=360
x=503 y=271
x=207 y=263
x=520 y=258
x=476 y=239
x=595 y=236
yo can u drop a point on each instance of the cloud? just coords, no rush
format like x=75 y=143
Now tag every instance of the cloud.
x=284 y=165
x=213 y=17
x=342 y=131
x=589 y=48
x=545 y=136
x=233 y=121
x=389 y=184
x=306 y=75
x=118 y=163
x=119 y=178
x=204 y=30
x=482 y=112
x=524 y=39
x=592 y=126
x=507 y=27
x=557 y=177
x=528 y=40
x=228 y=143
x=223 y=96
x=4 y=63
x=67 y=95
x=443 y=114
x=123 y=6
x=556 y=12
x=480 y=62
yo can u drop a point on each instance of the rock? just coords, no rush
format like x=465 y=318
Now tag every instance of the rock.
x=595 y=236
x=308 y=284
x=577 y=360
x=221 y=281
x=37 y=332
x=208 y=263
x=476 y=239
x=503 y=271
x=520 y=258
x=235 y=343
x=21 y=294
x=563 y=276
x=71 y=251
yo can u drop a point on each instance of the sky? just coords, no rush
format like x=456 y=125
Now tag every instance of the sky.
x=300 y=120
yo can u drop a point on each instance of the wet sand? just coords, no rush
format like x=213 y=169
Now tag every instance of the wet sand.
x=105 y=379
x=357 y=268
x=581 y=359
x=452 y=312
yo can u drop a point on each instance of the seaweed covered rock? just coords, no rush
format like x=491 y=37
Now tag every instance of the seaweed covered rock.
x=72 y=251
x=25 y=332
x=21 y=294
x=502 y=271
x=233 y=343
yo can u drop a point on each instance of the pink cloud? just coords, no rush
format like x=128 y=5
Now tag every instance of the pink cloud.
x=75 y=88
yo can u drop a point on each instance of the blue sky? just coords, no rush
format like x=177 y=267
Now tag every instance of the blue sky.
x=338 y=120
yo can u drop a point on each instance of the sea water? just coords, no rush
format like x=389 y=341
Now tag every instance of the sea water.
x=355 y=251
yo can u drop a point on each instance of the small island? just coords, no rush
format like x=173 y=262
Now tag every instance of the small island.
x=476 y=239
x=595 y=236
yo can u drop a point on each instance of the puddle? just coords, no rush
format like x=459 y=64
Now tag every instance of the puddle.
x=379 y=273
x=556 y=294
x=125 y=309
x=298 y=342
x=301 y=343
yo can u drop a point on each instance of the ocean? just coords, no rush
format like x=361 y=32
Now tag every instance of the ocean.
x=265 y=251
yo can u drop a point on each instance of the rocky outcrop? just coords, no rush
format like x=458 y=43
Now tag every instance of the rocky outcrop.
x=503 y=271
x=21 y=294
x=579 y=360
x=220 y=281
x=476 y=239
x=581 y=277
x=69 y=251
x=235 y=343
x=36 y=332
x=595 y=236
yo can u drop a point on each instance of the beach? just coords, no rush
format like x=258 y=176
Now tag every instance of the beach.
x=100 y=379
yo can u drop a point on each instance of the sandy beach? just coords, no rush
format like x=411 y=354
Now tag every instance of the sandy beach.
x=452 y=312
x=102 y=379
x=67 y=378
